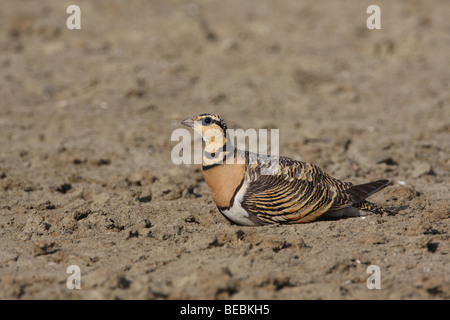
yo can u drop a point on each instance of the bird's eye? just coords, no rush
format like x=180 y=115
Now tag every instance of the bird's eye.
x=207 y=120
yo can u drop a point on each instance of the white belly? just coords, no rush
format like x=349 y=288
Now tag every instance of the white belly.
x=236 y=213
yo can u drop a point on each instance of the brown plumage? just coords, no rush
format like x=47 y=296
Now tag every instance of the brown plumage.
x=256 y=190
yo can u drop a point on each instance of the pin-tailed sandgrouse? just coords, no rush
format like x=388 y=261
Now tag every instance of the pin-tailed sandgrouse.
x=250 y=190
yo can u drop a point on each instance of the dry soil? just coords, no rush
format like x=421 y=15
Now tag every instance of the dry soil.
x=86 y=118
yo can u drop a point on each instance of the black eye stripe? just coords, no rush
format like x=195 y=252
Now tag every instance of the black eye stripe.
x=214 y=119
x=210 y=121
x=219 y=123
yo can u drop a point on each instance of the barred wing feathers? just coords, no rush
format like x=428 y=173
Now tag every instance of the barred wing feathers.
x=297 y=191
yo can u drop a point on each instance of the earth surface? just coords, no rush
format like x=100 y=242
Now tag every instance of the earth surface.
x=86 y=118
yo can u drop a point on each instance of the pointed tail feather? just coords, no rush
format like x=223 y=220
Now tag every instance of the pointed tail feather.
x=362 y=191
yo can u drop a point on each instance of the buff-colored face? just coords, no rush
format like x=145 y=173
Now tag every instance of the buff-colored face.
x=211 y=127
x=213 y=131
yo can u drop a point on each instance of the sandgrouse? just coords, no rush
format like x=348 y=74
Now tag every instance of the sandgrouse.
x=252 y=189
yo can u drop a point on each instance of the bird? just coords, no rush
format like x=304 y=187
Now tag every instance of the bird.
x=252 y=189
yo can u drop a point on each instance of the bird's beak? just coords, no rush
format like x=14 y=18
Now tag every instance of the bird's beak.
x=188 y=122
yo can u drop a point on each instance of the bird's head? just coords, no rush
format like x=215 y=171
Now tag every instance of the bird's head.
x=213 y=130
x=211 y=127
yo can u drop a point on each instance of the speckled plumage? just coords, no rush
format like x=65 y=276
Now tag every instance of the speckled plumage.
x=299 y=192
x=279 y=189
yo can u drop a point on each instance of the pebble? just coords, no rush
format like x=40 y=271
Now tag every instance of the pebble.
x=43 y=247
x=420 y=169
x=385 y=158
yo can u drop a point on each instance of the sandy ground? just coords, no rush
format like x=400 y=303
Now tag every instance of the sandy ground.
x=86 y=118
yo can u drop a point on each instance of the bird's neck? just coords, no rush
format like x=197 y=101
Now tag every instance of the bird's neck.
x=215 y=157
x=217 y=152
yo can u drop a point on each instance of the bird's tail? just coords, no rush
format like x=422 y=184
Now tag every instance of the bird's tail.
x=359 y=193
x=362 y=191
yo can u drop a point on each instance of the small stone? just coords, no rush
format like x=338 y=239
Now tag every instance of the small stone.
x=432 y=246
x=64 y=188
x=81 y=214
x=145 y=198
x=43 y=247
x=421 y=169
x=135 y=179
x=387 y=160
x=191 y=219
